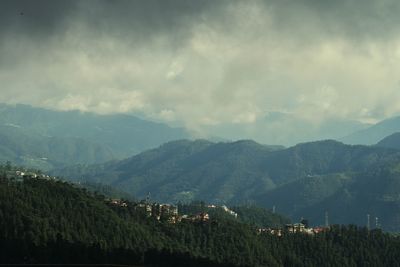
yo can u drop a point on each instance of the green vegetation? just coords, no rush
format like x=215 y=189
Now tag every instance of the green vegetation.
x=53 y=222
x=252 y=215
x=302 y=181
x=185 y=171
x=260 y=217
x=106 y=190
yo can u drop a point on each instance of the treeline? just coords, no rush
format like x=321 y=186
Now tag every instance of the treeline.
x=54 y=222
x=248 y=214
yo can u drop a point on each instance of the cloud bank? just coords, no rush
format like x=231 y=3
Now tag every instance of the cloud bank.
x=204 y=63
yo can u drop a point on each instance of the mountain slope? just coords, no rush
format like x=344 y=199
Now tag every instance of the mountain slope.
x=347 y=198
x=122 y=135
x=29 y=149
x=186 y=170
x=391 y=141
x=53 y=223
x=303 y=180
x=375 y=133
x=228 y=171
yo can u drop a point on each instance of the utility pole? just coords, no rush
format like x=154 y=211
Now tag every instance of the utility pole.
x=326 y=219
x=148 y=198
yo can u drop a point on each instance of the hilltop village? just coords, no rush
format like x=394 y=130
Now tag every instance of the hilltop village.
x=169 y=213
x=19 y=174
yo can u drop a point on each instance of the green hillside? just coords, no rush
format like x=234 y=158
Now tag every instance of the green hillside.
x=302 y=181
x=347 y=198
x=250 y=214
x=186 y=170
x=52 y=222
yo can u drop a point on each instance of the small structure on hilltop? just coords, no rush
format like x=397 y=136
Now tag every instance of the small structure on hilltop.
x=295 y=228
x=200 y=217
x=272 y=231
x=231 y=212
x=118 y=202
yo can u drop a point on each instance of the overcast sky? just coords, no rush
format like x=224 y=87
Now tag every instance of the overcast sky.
x=202 y=63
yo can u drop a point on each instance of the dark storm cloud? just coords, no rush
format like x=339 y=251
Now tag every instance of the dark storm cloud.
x=356 y=20
x=139 y=21
x=37 y=18
x=351 y=19
x=125 y=19
x=366 y=19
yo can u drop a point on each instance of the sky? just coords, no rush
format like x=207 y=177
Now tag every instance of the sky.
x=204 y=64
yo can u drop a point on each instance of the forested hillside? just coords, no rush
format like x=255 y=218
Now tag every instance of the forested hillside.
x=52 y=222
x=301 y=181
x=185 y=170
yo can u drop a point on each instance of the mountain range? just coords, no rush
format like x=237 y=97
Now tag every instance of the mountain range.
x=46 y=139
x=287 y=129
x=306 y=180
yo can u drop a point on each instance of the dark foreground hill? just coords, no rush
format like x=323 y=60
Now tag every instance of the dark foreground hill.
x=305 y=180
x=52 y=222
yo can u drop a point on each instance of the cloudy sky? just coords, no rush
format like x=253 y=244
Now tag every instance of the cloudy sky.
x=204 y=63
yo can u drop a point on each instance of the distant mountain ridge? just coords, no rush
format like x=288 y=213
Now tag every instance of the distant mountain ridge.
x=43 y=152
x=304 y=180
x=100 y=137
x=287 y=129
x=374 y=133
x=391 y=141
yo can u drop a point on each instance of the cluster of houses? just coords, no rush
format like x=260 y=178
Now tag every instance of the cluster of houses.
x=163 y=212
x=169 y=213
x=118 y=202
x=200 y=217
x=19 y=175
x=293 y=228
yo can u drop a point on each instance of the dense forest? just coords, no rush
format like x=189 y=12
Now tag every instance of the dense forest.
x=50 y=221
x=301 y=181
x=250 y=214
